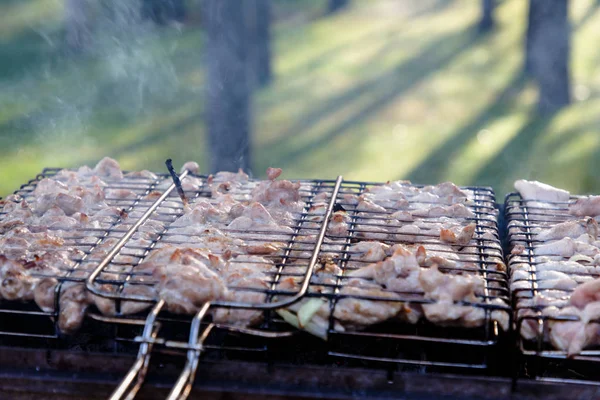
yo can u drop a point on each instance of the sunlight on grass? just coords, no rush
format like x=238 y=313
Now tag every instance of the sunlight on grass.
x=486 y=144
x=381 y=90
x=20 y=16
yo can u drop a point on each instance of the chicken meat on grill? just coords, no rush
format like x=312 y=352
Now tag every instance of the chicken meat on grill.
x=571 y=229
x=534 y=190
x=48 y=233
x=395 y=251
x=404 y=287
x=556 y=274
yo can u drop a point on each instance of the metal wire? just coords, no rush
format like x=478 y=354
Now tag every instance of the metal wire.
x=134 y=379
x=523 y=217
x=486 y=253
x=86 y=241
x=305 y=246
x=95 y=281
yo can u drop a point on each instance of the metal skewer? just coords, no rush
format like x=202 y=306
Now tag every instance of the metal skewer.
x=177 y=182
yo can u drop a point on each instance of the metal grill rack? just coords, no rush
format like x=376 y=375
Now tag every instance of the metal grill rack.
x=108 y=279
x=85 y=246
x=108 y=272
x=156 y=207
x=532 y=324
x=295 y=250
x=421 y=346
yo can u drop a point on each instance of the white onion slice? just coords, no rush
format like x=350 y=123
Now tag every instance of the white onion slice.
x=581 y=257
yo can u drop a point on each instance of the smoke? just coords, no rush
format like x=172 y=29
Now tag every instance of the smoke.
x=117 y=68
x=131 y=58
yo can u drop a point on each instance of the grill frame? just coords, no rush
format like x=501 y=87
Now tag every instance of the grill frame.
x=273 y=324
x=428 y=345
x=26 y=192
x=293 y=297
x=540 y=359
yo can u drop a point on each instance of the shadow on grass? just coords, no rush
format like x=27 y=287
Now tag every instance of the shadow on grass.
x=153 y=137
x=433 y=7
x=323 y=57
x=320 y=59
x=383 y=89
x=435 y=166
x=513 y=159
x=28 y=52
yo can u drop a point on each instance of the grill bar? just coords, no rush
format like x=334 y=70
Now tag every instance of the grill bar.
x=486 y=255
x=291 y=296
x=183 y=386
x=134 y=379
x=89 y=283
x=298 y=259
x=541 y=359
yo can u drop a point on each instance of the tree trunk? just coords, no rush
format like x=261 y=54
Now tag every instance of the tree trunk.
x=227 y=92
x=335 y=5
x=264 y=72
x=259 y=41
x=163 y=11
x=77 y=16
x=486 y=23
x=528 y=67
x=178 y=10
x=549 y=52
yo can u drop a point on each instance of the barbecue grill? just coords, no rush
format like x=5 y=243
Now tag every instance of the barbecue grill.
x=377 y=361
x=540 y=359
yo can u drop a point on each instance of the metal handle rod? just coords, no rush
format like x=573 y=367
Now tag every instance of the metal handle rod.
x=309 y=270
x=89 y=282
x=262 y=306
x=134 y=379
x=184 y=383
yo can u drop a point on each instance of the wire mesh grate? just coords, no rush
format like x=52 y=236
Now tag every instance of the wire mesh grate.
x=84 y=245
x=121 y=280
x=411 y=342
x=540 y=302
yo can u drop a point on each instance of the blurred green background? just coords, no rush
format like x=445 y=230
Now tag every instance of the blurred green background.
x=380 y=90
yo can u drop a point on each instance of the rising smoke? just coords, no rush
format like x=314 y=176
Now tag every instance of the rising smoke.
x=119 y=61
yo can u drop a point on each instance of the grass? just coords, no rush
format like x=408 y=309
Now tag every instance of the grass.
x=382 y=90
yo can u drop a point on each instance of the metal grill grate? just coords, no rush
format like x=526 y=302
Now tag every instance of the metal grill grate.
x=533 y=298
x=86 y=247
x=294 y=250
x=111 y=262
x=421 y=344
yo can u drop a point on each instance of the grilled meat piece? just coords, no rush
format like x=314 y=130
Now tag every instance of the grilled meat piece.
x=109 y=168
x=463 y=237
x=568 y=247
x=572 y=229
x=15 y=282
x=534 y=190
x=368 y=251
x=574 y=336
x=585 y=294
x=586 y=206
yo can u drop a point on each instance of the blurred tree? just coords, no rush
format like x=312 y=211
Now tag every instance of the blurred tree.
x=486 y=23
x=335 y=5
x=77 y=14
x=259 y=24
x=227 y=87
x=163 y=11
x=528 y=67
x=548 y=49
